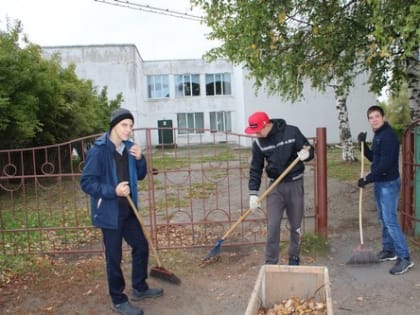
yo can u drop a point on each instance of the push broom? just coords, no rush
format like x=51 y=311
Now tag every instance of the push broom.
x=156 y=271
x=216 y=248
x=361 y=254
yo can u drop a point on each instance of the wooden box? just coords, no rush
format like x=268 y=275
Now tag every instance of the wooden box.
x=279 y=282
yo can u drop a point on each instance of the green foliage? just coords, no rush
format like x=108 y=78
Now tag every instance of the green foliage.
x=282 y=43
x=41 y=102
x=397 y=111
x=314 y=244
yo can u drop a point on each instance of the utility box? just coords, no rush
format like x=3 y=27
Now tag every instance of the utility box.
x=276 y=283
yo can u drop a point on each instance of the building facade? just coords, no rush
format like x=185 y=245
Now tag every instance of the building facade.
x=193 y=95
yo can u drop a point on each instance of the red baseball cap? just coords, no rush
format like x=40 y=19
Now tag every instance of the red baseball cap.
x=257 y=121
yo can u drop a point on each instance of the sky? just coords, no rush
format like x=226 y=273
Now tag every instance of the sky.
x=88 y=22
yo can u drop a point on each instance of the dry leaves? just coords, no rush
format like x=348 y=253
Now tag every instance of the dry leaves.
x=296 y=306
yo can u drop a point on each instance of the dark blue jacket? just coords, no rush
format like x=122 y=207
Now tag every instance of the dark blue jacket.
x=278 y=150
x=384 y=155
x=99 y=179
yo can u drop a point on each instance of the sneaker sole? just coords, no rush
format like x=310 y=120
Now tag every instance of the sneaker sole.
x=410 y=265
x=116 y=310
x=388 y=259
x=139 y=298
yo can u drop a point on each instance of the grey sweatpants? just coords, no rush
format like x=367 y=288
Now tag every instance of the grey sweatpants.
x=287 y=196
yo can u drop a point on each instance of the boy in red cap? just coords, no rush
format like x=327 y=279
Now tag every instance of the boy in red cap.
x=276 y=146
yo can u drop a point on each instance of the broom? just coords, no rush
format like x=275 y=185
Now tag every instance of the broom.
x=156 y=271
x=216 y=248
x=361 y=254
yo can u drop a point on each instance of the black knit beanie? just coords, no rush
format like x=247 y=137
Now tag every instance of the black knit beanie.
x=118 y=115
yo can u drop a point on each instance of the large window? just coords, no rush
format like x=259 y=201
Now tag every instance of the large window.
x=218 y=84
x=187 y=85
x=157 y=86
x=220 y=121
x=193 y=121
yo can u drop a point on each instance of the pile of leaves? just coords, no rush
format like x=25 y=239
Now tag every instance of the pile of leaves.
x=296 y=306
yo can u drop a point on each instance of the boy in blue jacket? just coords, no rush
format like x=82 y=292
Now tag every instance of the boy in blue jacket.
x=113 y=166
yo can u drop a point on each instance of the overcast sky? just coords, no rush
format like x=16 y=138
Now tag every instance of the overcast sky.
x=84 y=22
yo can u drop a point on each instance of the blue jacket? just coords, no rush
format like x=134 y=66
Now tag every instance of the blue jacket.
x=278 y=150
x=99 y=179
x=384 y=155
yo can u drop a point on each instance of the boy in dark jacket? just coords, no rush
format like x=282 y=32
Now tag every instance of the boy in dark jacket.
x=113 y=166
x=384 y=173
x=277 y=145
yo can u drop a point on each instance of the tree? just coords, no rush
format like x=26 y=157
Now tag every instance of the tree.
x=397 y=110
x=41 y=102
x=284 y=43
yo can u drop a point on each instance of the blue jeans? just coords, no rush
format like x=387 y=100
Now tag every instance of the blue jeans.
x=386 y=197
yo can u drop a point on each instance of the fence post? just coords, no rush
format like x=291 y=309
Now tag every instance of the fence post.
x=321 y=209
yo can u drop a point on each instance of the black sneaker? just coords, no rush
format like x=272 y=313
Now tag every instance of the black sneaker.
x=149 y=293
x=127 y=309
x=385 y=255
x=294 y=261
x=401 y=266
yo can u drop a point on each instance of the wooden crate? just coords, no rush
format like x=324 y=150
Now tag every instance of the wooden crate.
x=278 y=282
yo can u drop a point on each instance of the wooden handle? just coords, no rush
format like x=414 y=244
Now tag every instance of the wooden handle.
x=362 y=170
x=145 y=232
x=262 y=197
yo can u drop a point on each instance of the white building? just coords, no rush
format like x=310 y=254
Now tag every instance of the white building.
x=196 y=94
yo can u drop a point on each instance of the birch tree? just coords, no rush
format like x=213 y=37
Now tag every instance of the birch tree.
x=285 y=43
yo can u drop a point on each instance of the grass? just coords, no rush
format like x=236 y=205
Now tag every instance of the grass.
x=313 y=244
x=344 y=170
x=184 y=156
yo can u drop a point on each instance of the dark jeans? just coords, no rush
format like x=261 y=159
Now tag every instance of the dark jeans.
x=128 y=229
x=287 y=196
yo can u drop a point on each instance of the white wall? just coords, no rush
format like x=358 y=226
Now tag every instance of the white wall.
x=315 y=109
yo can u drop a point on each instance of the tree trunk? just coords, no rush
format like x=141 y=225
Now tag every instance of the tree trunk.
x=344 y=127
x=413 y=80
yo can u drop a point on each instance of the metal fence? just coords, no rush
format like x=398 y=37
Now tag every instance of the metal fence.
x=194 y=191
x=410 y=180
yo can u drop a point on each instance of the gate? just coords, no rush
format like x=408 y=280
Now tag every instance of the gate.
x=410 y=179
x=194 y=191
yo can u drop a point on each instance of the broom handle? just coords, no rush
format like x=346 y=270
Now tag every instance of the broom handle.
x=262 y=197
x=362 y=164
x=145 y=232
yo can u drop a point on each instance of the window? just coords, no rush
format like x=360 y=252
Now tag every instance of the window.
x=220 y=121
x=190 y=123
x=157 y=86
x=218 y=84
x=187 y=85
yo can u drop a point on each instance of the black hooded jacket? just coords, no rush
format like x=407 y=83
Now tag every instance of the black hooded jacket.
x=278 y=150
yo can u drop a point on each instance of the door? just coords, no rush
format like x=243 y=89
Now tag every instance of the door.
x=165 y=132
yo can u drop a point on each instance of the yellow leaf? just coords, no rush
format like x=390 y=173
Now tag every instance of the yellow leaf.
x=282 y=17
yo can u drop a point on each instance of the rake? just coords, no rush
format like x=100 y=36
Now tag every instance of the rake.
x=156 y=271
x=361 y=254
x=216 y=248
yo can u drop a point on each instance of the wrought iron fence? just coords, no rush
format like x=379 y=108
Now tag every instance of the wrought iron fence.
x=195 y=189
